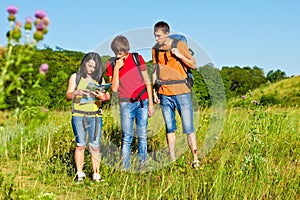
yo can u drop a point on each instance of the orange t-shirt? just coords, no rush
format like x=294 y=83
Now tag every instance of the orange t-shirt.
x=170 y=68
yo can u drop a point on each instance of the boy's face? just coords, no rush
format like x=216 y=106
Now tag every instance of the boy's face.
x=160 y=36
x=120 y=54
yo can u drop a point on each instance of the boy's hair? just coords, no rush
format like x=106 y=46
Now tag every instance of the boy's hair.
x=120 y=44
x=163 y=26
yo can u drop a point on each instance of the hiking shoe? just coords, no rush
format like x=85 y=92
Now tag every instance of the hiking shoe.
x=196 y=163
x=80 y=177
x=96 y=177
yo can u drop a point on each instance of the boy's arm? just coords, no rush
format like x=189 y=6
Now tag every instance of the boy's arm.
x=149 y=91
x=154 y=77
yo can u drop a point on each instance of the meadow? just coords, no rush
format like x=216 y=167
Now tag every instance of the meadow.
x=256 y=156
x=249 y=150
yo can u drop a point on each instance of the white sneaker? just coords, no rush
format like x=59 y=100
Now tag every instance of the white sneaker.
x=80 y=176
x=196 y=164
x=96 y=177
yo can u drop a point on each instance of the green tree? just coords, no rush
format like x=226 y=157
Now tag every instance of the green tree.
x=274 y=76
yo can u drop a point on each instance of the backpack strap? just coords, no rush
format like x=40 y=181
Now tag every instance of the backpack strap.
x=158 y=82
x=136 y=59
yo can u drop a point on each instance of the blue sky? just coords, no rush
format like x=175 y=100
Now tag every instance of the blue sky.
x=262 y=33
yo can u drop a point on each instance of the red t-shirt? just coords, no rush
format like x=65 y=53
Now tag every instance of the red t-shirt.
x=131 y=83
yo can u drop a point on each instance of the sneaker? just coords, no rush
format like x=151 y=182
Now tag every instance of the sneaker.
x=96 y=177
x=196 y=163
x=80 y=176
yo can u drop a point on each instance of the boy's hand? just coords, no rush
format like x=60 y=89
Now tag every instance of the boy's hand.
x=151 y=110
x=120 y=62
x=176 y=53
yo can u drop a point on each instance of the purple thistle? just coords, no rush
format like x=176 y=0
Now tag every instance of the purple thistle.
x=244 y=96
x=28 y=23
x=40 y=14
x=12 y=9
x=40 y=26
x=28 y=20
x=44 y=68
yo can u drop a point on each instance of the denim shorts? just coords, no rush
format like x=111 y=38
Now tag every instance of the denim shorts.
x=90 y=126
x=183 y=104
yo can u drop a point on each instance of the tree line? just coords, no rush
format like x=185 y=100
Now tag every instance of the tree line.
x=50 y=92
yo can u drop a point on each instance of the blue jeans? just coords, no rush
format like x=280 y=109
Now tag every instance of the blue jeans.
x=183 y=104
x=91 y=126
x=129 y=112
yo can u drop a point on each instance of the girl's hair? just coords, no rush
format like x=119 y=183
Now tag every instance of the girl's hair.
x=119 y=44
x=163 y=26
x=99 y=69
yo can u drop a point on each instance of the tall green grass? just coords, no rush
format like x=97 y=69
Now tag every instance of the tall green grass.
x=255 y=157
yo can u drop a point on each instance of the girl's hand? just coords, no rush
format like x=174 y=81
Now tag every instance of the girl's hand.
x=81 y=92
x=102 y=96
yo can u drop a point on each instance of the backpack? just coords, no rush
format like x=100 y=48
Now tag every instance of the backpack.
x=136 y=60
x=190 y=78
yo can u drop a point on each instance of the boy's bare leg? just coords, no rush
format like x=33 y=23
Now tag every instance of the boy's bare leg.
x=193 y=145
x=171 y=139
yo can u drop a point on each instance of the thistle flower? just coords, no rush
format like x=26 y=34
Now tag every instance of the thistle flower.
x=18 y=24
x=12 y=9
x=11 y=17
x=40 y=26
x=37 y=21
x=16 y=34
x=46 y=21
x=28 y=23
x=45 y=31
x=40 y=14
x=44 y=68
x=244 y=96
x=38 y=35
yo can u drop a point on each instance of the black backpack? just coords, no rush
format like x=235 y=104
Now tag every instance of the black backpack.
x=136 y=60
x=190 y=78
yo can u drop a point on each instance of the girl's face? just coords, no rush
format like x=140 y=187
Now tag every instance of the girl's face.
x=90 y=66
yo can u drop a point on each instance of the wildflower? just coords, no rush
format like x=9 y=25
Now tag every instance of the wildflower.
x=11 y=18
x=45 y=31
x=37 y=21
x=255 y=102
x=16 y=34
x=40 y=26
x=46 y=21
x=38 y=35
x=28 y=23
x=244 y=96
x=18 y=24
x=12 y=9
x=40 y=14
x=44 y=68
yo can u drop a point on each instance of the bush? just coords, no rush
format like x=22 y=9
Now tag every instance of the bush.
x=269 y=100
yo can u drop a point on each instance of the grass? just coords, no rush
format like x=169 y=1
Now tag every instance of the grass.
x=255 y=157
x=285 y=93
